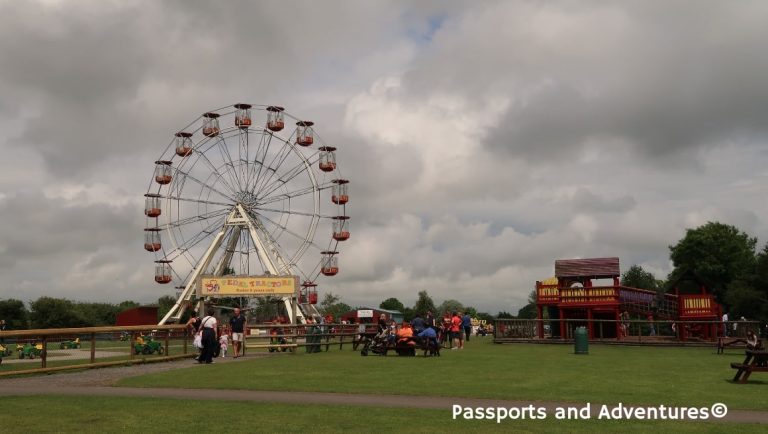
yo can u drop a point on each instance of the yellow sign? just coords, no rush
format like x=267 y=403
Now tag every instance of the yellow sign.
x=245 y=286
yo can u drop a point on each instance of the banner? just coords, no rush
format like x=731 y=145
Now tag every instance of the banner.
x=261 y=286
x=365 y=313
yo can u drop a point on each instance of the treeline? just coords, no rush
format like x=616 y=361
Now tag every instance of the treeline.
x=332 y=304
x=49 y=312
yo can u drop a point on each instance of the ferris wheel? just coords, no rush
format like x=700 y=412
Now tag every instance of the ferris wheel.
x=237 y=193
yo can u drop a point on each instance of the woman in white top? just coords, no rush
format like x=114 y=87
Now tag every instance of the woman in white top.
x=210 y=339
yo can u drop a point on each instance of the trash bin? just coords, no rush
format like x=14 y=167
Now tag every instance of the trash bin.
x=581 y=341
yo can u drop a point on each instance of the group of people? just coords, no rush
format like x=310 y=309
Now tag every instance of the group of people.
x=454 y=329
x=214 y=337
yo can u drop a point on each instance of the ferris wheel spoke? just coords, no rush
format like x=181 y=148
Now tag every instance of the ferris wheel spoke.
x=185 y=245
x=288 y=176
x=207 y=202
x=280 y=157
x=293 y=194
x=266 y=140
x=197 y=218
x=204 y=185
x=226 y=157
x=302 y=238
x=282 y=211
x=216 y=172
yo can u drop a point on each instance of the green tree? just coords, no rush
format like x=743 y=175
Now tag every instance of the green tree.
x=128 y=304
x=392 y=304
x=637 y=277
x=332 y=305
x=529 y=311
x=471 y=311
x=164 y=304
x=424 y=303
x=760 y=281
x=505 y=315
x=450 y=306
x=408 y=314
x=485 y=316
x=96 y=314
x=49 y=312
x=720 y=254
x=267 y=308
x=746 y=301
x=14 y=313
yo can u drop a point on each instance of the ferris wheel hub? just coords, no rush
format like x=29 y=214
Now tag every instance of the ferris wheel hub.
x=247 y=199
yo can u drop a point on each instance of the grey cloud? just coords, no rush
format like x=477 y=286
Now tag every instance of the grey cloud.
x=586 y=201
x=614 y=72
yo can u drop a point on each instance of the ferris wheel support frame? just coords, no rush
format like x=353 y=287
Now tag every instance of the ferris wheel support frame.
x=237 y=220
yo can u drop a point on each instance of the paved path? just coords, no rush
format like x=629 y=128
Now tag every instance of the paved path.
x=100 y=382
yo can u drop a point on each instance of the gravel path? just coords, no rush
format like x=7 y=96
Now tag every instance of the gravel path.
x=100 y=382
x=64 y=355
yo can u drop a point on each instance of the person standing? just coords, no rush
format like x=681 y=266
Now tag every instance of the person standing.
x=2 y=329
x=651 y=327
x=725 y=324
x=210 y=340
x=458 y=341
x=466 y=324
x=237 y=325
x=624 y=317
x=430 y=320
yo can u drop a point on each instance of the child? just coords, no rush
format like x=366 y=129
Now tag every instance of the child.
x=223 y=343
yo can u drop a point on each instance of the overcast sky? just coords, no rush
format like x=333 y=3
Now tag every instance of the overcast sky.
x=484 y=140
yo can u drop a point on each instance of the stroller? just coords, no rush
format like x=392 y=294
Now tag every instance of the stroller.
x=376 y=344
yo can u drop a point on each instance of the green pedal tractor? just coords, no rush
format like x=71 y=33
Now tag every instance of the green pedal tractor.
x=70 y=345
x=147 y=345
x=29 y=351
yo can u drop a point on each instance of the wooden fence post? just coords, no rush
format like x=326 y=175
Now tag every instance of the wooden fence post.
x=93 y=347
x=44 y=354
x=130 y=345
x=167 y=342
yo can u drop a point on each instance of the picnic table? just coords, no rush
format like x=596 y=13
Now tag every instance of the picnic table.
x=726 y=342
x=755 y=361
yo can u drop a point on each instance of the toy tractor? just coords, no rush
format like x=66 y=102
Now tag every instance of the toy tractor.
x=29 y=351
x=70 y=345
x=147 y=345
x=276 y=338
x=5 y=351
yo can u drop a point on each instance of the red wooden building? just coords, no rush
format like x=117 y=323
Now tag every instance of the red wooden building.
x=142 y=315
x=586 y=290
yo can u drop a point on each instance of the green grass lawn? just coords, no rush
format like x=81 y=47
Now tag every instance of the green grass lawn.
x=609 y=374
x=99 y=414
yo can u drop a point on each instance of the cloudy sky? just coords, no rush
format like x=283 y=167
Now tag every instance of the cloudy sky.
x=484 y=140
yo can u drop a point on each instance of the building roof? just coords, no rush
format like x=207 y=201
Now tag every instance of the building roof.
x=595 y=268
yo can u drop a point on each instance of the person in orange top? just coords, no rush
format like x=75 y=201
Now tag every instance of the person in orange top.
x=456 y=332
x=405 y=333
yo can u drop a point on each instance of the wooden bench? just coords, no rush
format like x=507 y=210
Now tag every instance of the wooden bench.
x=755 y=361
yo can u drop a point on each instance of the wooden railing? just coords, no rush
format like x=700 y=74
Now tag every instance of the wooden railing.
x=630 y=331
x=89 y=337
x=311 y=336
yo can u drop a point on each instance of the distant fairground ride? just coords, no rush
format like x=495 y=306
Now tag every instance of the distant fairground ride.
x=233 y=195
